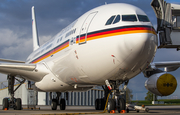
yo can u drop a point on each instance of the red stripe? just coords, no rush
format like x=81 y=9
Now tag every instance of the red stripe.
x=61 y=46
x=51 y=52
x=119 y=30
x=114 y=31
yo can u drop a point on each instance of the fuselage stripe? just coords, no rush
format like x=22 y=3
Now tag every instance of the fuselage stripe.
x=116 y=31
x=99 y=34
x=52 y=51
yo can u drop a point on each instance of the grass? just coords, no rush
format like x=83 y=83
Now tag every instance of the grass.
x=173 y=101
x=166 y=102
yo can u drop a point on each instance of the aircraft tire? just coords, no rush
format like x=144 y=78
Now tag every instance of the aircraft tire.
x=97 y=104
x=54 y=104
x=5 y=103
x=18 y=104
x=111 y=105
x=62 y=104
x=100 y=104
x=121 y=103
x=103 y=102
x=147 y=110
x=127 y=110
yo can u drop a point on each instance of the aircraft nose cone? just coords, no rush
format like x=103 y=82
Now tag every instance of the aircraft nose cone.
x=142 y=42
x=141 y=48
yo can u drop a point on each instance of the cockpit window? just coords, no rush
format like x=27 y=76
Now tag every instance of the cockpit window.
x=117 y=19
x=110 y=20
x=131 y=18
x=143 y=18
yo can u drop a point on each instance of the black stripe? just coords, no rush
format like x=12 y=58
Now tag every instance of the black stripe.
x=116 y=28
x=49 y=51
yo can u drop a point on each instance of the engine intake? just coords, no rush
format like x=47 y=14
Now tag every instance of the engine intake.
x=161 y=84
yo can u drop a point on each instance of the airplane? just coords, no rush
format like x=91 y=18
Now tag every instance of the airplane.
x=107 y=46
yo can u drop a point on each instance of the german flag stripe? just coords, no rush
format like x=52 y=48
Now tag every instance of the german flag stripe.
x=116 y=31
x=51 y=52
x=97 y=35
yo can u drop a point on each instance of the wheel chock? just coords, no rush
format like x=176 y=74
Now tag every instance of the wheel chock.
x=123 y=111
x=5 y=109
x=112 y=111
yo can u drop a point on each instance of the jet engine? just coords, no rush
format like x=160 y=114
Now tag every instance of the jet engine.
x=161 y=84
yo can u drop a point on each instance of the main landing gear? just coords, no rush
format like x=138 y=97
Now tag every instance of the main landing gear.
x=57 y=101
x=119 y=96
x=100 y=103
x=12 y=102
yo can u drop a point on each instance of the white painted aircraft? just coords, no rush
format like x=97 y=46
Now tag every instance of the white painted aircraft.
x=107 y=46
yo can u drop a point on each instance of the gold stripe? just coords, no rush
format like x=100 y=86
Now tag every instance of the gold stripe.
x=61 y=49
x=51 y=54
x=117 y=33
x=120 y=33
x=101 y=36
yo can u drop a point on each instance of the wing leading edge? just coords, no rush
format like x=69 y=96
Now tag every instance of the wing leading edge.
x=168 y=66
x=33 y=72
x=11 y=61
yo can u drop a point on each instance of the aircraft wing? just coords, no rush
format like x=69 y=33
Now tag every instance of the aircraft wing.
x=33 y=72
x=11 y=61
x=169 y=66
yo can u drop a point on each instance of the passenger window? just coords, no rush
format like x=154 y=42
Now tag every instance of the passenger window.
x=61 y=38
x=57 y=40
x=143 y=18
x=117 y=19
x=129 y=18
x=110 y=20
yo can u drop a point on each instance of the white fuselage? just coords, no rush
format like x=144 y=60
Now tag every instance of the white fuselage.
x=88 y=51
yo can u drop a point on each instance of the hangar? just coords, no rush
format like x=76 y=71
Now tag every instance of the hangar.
x=30 y=97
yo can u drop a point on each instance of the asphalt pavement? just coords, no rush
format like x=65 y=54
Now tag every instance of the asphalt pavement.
x=70 y=110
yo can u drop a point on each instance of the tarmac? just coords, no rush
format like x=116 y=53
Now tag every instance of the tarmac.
x=74 y=110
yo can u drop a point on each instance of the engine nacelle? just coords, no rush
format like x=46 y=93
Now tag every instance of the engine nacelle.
x=161 y=84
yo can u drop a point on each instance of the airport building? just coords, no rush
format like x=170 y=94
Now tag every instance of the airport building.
x=31 y=97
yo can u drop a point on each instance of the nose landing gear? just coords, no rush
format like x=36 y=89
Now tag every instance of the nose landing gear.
x=119 y=96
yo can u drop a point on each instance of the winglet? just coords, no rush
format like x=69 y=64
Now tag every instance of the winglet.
x=34 y=31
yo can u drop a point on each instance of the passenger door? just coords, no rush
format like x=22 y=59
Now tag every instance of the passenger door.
x=85 y=27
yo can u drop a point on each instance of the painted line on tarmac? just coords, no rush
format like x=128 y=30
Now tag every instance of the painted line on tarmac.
x=70 y=113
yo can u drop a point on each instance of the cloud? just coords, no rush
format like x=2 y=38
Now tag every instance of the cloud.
x=7 y=37
x=13 y=45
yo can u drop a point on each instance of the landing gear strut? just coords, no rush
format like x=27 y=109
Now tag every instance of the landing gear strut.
x=56 y=101
x=12 y=102
x=119 y=96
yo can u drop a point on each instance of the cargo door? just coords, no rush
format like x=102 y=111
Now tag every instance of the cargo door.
x=85 y=27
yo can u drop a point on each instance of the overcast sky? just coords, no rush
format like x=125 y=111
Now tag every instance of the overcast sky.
x=54 y=15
